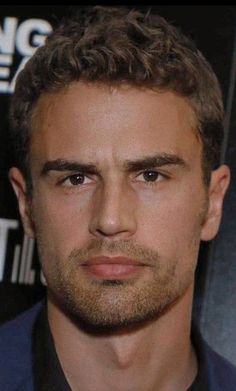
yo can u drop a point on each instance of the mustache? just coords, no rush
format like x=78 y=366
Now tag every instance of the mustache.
x=122 y=247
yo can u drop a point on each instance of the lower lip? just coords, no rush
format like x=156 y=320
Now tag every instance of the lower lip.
x=113 y=271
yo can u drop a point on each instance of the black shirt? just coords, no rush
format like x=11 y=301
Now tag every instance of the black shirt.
x=49 y=376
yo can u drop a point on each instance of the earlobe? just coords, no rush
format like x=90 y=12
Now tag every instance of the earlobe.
x=220 y=179
x=19 y=186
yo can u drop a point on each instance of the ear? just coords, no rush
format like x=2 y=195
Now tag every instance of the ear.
x=219 y=183
x=19 y=185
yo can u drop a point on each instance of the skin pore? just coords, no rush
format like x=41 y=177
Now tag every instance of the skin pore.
x=117 y=172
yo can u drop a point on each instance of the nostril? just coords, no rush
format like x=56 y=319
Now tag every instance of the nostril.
x=109 y=233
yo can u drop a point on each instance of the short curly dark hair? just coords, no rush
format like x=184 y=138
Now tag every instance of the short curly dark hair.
x=119 y=45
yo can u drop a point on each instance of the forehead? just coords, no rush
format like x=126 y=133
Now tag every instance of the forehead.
x=96 y=119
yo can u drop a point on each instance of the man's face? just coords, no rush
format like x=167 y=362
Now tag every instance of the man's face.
x=118 y=202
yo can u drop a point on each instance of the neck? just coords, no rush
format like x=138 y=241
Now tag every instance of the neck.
x=161 y=349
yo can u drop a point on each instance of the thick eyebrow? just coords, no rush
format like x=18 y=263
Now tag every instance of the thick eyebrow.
x=67 y=165
x=159 y=160
x=145 y=163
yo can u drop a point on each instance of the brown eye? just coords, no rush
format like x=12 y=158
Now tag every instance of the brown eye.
x=150 y=176
x=77 y=179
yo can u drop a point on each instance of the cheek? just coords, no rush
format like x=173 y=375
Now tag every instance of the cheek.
x=60 y=224
x=172 y=222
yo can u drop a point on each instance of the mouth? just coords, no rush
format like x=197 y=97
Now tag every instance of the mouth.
x=112 y=268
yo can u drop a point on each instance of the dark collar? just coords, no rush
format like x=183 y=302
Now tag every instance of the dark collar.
x=48 y=373
x=201 y=382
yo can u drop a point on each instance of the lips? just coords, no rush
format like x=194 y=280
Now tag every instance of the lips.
x=109 y=268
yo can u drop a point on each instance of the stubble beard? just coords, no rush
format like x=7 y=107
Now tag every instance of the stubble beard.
x=114 y=304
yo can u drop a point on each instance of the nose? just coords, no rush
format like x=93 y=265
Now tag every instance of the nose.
x=113 y=212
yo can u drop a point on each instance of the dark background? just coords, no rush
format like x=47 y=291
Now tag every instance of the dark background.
x=213 y=28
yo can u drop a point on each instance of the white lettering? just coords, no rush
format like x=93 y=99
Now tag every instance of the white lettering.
x=5 y=226
x=26 y=274
x=42 y=278
x=25 y=38
x=15 y=267
x=5 y=59
x=7 y=35
x=29 y=272
x=24 y=33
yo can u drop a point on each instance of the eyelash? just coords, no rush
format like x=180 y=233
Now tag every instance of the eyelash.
x=84 y=176
x=158 y=176
x=70 y=177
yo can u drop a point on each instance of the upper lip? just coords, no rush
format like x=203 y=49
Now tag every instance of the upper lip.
x=99 y=260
